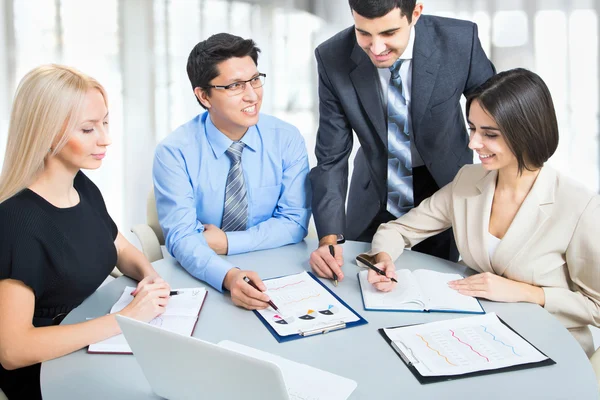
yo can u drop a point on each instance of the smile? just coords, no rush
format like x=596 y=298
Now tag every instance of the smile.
x=484 y=156
x=250 y=110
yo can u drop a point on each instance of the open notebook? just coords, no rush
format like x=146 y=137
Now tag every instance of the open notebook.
x=421 y=290
x=180 y=317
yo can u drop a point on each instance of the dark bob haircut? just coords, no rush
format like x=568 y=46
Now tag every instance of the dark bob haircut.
x=372 y=9
x=520 y=103
x=206 y=56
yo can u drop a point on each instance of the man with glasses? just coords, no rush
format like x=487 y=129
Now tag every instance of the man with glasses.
x=231 y=180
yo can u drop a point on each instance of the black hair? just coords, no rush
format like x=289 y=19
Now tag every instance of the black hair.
x=372 y=9
x=203 y=61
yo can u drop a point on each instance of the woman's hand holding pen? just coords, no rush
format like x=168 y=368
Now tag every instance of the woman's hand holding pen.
x=148 y=302
x=325 y=265
x=380 y=282
x=243 y=294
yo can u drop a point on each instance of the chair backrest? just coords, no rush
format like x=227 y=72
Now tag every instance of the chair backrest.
x=152 y=217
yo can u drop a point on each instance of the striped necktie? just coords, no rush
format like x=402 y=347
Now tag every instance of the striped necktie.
x=400 y=180
x=235 y=210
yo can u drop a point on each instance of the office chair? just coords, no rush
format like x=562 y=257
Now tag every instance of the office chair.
x=150 y=234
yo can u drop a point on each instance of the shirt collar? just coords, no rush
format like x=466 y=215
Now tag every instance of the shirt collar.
x=408 y=52
x=220 y=143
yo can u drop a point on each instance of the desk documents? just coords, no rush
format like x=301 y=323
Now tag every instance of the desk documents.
x=462 y=346
x=305 y=306
x=303 y=382
x=180 y=317
x=420 y=290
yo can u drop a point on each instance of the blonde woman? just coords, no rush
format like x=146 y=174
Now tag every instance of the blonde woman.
x=57 y=241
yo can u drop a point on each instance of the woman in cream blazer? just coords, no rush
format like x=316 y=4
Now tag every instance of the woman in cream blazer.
x=530 y=231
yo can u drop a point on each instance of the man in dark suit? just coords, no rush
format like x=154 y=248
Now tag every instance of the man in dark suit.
x=395 y=78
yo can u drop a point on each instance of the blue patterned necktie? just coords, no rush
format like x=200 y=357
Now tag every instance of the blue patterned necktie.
x=235 y=210
x=400 y=180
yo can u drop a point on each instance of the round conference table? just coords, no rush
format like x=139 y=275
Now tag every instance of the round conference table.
x=358 y=353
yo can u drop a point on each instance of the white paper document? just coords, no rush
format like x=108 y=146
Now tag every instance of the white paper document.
x=419 y=290
x=180 y=317
x=303 y=382
x=304 y=305
x=463 y=345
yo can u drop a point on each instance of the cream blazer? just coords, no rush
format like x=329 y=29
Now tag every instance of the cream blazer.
x=553 y=241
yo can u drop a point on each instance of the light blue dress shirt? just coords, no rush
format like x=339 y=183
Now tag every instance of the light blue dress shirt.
x=190 y=171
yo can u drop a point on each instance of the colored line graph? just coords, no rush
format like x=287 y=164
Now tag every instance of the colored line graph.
x=467 y=344
x=500 y=341
x=439 y=354
x=284 y=286
x=302 y=299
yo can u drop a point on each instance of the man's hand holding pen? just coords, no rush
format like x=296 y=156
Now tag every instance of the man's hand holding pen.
x=244 y=294
x=324 y=264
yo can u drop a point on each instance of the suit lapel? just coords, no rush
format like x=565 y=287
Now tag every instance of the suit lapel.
x=530 y=219
x=426 y=62
x=478 y=217
x=365 y=80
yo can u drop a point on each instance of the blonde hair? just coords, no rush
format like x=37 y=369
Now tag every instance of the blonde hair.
x=47 y=104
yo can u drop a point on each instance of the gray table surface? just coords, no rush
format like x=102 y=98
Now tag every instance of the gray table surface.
x=357 y=353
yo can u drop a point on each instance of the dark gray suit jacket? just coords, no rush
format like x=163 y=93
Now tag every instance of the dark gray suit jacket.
x=447 y=61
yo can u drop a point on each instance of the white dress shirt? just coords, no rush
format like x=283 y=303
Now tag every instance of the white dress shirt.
x=406 y=76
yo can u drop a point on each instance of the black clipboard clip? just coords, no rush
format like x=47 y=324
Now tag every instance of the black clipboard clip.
x=323 y=329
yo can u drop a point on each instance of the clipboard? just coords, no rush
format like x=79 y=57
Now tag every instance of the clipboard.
x=406 y=359
x=320 y=330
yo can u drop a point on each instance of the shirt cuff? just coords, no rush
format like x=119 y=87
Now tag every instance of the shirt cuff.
x=552 y=298
x=238 y=242
x=216 y=269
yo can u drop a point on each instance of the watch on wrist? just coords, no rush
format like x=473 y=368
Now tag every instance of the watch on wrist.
x=340 y=238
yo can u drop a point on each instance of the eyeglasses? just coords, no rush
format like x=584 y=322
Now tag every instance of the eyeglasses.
x=239 y=87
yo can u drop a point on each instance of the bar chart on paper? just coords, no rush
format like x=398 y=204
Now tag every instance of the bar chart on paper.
x=464 y=345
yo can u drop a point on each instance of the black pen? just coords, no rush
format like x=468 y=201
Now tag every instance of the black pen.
x=175 y=292
x=332 y=252
x=374 y=268
x=249 y=282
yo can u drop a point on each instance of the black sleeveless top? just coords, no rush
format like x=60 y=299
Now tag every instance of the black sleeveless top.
x=62 y=254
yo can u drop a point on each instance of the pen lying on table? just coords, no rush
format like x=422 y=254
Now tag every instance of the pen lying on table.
x=368 y=264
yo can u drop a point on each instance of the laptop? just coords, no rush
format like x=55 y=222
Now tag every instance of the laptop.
x=182 y=367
